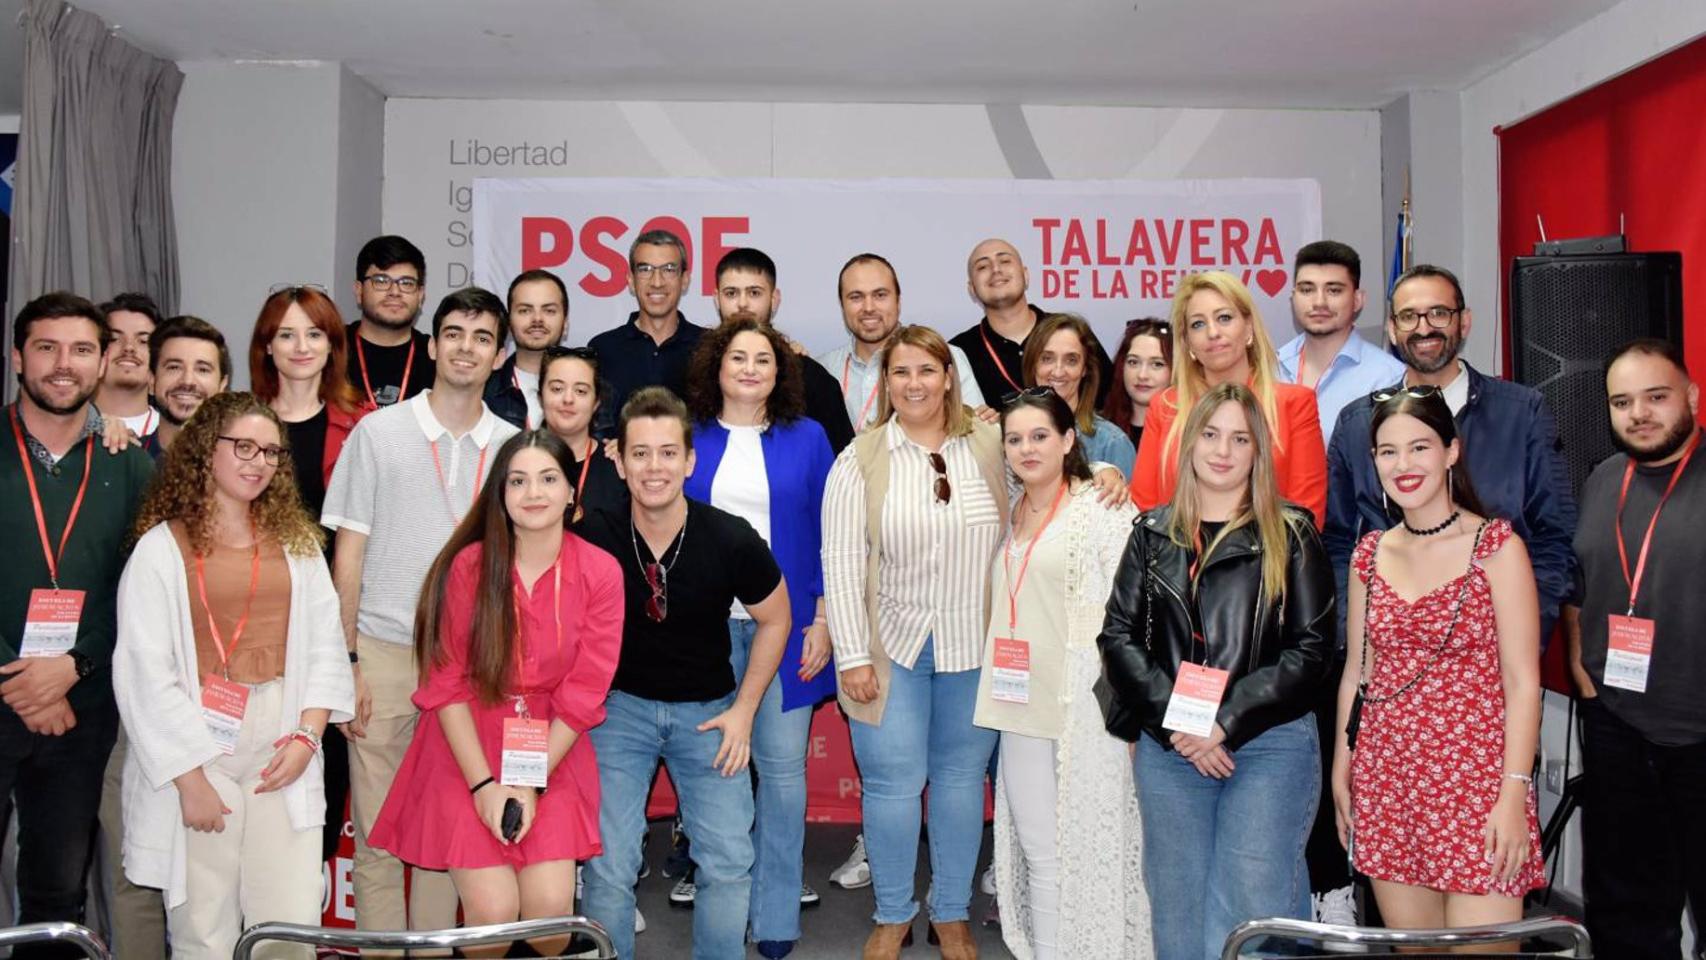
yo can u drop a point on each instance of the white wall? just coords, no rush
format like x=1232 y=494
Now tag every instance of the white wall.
x=425 y=191
x=9 y=122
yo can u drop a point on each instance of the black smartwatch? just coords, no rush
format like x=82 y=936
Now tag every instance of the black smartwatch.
x=81 y=661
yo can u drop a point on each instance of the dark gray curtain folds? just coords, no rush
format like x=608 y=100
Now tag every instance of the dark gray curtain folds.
x=93 y=207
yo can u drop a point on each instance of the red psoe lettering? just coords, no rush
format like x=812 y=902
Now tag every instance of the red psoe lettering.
x=600 y=252
x=712 y=247
x=545 y=242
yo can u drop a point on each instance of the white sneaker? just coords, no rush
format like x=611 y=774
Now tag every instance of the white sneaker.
x=1339 y=908
x=988 y=885
x=856 y=872
x=639 y=921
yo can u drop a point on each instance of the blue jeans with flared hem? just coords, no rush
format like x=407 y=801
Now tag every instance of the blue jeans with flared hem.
x=926 y=737
x=1220 y=852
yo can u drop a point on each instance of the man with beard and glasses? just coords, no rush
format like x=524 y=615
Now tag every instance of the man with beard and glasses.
x=387 y=357
x=538 y=317
x=995 y=345
x=1510 y=442
x=1638 y=661
x=123 y=393
x=65 y=513
x=190 y=364
x=746 y=290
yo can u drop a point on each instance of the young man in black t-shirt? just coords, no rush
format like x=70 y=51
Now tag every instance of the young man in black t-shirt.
x=388 y=358
x=675 y=696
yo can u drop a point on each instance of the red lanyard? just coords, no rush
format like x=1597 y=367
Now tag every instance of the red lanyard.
x=367 y=384
x=28 y=464
x=242 y=622
x=1302 y=362
x=1015 y=583
x=846 y=368
x=444 y=487
x=556 y=599
x=1634 y=581
x=580 y=485
x=998 y=364
x=147 y=422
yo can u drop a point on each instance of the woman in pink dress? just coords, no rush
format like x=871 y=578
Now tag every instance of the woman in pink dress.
x=518 y=632
x=1439 y=715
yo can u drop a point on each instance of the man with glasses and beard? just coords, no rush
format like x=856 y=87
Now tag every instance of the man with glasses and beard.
x=1638 y=662
x=1510 y=442
x=387 y=357
x=190 y=364
x=123 y=393
x=66 y=508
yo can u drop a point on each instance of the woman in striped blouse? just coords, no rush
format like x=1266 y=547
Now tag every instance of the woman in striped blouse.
x=911 y=518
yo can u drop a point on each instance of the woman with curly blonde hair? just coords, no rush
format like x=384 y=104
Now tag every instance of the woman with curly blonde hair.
x=229 y=664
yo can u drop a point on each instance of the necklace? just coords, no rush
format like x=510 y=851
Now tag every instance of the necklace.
x=1430 y=531
x=677 y=541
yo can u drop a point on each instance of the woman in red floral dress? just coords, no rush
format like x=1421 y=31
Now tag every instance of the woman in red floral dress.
x=1433 y=785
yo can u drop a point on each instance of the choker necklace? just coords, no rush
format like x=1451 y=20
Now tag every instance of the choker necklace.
x=1430 y=531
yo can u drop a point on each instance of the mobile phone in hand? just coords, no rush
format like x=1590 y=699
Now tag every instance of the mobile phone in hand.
x=512 y=818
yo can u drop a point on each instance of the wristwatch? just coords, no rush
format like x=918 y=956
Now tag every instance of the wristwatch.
x=81 y=661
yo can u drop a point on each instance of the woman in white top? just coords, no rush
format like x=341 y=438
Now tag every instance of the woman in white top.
x=760 y=458
x=912 y=515
x=1068 y=835
x=229 y=664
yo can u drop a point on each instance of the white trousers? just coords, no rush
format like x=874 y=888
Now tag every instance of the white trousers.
x=1027 y=773
x=258 y=869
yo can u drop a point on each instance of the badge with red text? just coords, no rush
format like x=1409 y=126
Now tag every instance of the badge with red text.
x=50 y=625
x=524 y=755
x=1629 y=652
x=1010 y=674
x=1195 y=700
x=222 y=707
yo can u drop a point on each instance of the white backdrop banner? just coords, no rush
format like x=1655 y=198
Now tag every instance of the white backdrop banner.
x=1111 y=250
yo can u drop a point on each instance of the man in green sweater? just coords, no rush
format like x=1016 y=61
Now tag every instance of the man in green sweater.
x=66 y=506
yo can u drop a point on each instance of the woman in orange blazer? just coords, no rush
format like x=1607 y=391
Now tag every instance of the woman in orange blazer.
x=1218 y=338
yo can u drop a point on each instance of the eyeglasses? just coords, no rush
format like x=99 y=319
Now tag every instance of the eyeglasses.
x=247 y=449
x=295 y=288
x=657 y=605
x=1039 y=393
x=944 y=493
x=1420 y=391
x=1439 y=317
x=644 y=270
x=383 y=282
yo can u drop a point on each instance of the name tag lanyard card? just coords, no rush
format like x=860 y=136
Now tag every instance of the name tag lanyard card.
x=223 y=703
x=526 y=741
x=1010 y=674
x=1198 y=689
x=1629 y=639
x=50 y=624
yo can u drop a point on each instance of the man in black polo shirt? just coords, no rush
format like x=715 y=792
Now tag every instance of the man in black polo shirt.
x=388 y=358
x=746 y=290
x=65 y=511
x=995 y=345
x=675 y=695
x=653 y=347
x=1640 y=662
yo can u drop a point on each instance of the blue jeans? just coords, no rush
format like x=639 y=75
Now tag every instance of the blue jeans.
x=779 y=830
x=1220 y=852
x=717 y=811
x=926 y=737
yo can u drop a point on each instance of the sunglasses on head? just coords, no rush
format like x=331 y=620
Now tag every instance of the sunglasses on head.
x=1420 y=391
x=1040 y=393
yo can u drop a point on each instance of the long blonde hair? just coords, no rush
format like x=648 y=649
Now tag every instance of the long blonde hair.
x=957 y=418
x=1190 y=384
x=1262 y=505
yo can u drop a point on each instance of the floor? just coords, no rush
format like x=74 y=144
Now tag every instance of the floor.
x=836 y=928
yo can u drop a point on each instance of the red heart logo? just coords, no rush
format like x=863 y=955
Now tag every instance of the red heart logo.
x=1271 y=281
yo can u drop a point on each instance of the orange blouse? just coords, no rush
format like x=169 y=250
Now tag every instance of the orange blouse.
x=1300 y=457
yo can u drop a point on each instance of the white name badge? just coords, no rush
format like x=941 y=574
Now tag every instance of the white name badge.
x=524 y=752
x=50 y=624
x=1629 y=653
x=1010 y=674
x=1195 y=700
x=222 y=706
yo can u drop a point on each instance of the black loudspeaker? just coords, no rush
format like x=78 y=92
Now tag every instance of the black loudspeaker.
x=1567 y=315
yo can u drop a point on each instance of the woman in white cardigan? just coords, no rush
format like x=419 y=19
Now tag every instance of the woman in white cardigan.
x=230 y=662
x=1068 y=837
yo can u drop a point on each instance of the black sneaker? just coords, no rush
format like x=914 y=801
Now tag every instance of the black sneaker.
x=681 y=895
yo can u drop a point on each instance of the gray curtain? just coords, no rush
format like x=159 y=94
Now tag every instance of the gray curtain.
x=92 y=211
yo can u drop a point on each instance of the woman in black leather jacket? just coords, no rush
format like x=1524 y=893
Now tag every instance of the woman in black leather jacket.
x=1216 y=642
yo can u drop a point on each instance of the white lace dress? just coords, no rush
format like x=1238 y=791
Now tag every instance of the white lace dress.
x=1104 y=906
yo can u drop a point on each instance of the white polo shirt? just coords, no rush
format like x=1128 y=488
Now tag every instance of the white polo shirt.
x=405 y=481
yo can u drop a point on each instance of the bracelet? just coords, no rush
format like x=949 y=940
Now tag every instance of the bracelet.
x=307 y=735
x=476 y=787
x=1525 y=778
x=354 y=657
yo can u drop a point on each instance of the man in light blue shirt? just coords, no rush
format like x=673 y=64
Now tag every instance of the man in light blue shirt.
x=869 y=293
x=1328 y=356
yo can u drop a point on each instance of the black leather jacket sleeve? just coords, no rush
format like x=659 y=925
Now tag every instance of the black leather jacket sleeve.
x=1287 y=687
x=1134 y=687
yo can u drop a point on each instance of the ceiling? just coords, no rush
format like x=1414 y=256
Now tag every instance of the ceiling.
x=1257 y=53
